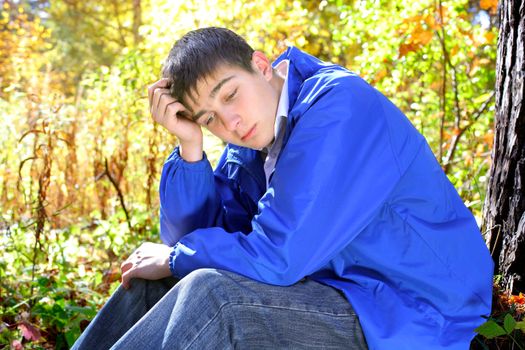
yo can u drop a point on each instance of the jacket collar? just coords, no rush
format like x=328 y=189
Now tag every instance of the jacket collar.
x=301 y=67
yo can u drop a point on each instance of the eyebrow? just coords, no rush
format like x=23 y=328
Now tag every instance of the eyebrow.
x=213 y=93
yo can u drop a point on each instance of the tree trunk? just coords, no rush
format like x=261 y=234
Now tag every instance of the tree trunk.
x=504 y=209
x=137 y=21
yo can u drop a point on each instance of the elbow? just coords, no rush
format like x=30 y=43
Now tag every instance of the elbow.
x=274 y=264
x=286 y=281
x=283 y=275
x=167 y=239
x=169 y=234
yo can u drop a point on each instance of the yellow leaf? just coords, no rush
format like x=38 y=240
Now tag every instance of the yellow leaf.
x=430 y=20
x=436 y=85
x=379 y=76
x=405 y=48
x=468 y=159
x=490 y=5
x=489 y=37
x=423 y=37
x=454 y=50
x=482 y=98
x=483 y=61
x=412 y=19
x=480 y=148
x=489 y=138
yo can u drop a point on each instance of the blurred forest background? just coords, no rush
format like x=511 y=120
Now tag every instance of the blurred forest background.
x=80 y=158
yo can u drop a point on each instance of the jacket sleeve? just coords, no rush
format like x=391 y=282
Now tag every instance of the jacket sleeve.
x=332 y=177
x=192 y=196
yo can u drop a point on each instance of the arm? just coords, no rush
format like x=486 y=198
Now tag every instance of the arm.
x=333 y=176
x=193 y=197
x=193 y=200
x=150 y=260
x=187 y=197
x=237 y=188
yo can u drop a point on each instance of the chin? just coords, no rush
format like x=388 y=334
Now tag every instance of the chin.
x=262 y=145
x=255 y=144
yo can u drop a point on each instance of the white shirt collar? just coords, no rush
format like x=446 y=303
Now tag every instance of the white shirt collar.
x=282 y=70
x=284 y=102
x=272 y=151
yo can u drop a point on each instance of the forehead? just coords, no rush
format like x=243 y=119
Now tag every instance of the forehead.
x=205 y=84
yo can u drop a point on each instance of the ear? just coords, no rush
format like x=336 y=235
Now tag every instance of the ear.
x=262 y=64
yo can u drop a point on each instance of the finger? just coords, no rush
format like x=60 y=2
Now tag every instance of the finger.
x=126 y=278
x=162 y=83
x=180 y=110
x=161 y=99
x=156 y=96
x=172 y=109
x=151 y=90
x=160 y=96
x=125 y=266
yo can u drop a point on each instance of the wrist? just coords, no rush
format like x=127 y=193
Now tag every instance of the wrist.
x=171 y=261
x=191 y=151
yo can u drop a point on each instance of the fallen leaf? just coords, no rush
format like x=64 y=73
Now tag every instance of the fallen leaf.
x=29 y=331
x=17 y=345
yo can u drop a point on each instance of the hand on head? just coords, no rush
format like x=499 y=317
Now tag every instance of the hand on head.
x=173 y=116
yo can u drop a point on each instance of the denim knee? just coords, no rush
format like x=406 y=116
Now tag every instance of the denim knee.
x=208 y=283
x=204 y=279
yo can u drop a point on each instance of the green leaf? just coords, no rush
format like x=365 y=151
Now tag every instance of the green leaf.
x=509 y=323
x=490 y=329
x=521 y=326
x=71 y=336
x=482 y=98
x=43 y=281
x=84 y=310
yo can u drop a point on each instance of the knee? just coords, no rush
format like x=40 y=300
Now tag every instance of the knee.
x=208 y=279
x=207 y=283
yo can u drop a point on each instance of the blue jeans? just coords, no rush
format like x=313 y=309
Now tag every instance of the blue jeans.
x=215 y=309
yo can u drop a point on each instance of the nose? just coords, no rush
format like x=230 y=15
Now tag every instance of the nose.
x=231 y=121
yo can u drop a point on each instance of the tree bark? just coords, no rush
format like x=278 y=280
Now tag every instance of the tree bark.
x=504 y=217
x=137 y=21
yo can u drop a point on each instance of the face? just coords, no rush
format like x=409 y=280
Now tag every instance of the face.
x=238 y=106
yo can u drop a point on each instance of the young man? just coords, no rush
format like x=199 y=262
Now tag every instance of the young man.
x=325 y=201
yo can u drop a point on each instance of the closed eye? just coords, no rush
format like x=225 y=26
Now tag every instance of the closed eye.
x=210 y=117
x=231 y=96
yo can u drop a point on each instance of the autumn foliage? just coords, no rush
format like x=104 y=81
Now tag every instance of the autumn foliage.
x=80 y=158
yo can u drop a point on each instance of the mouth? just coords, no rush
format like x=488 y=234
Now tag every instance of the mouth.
x=249 y=134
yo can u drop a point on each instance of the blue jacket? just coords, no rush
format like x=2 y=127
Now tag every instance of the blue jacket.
x=357 y=201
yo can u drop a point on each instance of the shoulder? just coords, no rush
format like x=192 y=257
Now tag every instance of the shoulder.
x=338 y=82
x=335 y=91
x=337 y=102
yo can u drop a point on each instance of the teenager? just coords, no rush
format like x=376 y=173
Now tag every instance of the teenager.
x=327 y=217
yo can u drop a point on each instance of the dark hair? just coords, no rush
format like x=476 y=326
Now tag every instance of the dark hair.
x=198 y=53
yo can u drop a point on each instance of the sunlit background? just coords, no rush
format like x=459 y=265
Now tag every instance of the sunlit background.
x=80 y=158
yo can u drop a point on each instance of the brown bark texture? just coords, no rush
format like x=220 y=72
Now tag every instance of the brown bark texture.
x=504 y=209
x=137 y=21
